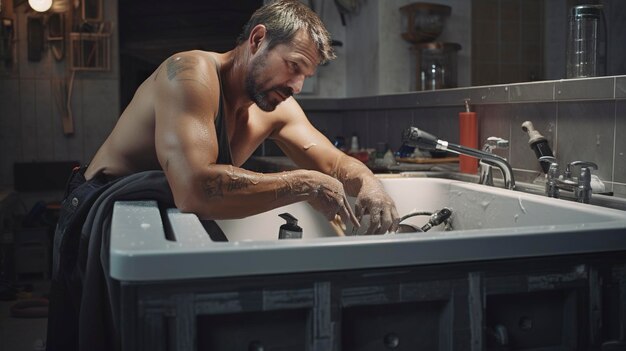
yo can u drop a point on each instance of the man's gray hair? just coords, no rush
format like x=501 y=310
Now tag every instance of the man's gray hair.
x=283 y=19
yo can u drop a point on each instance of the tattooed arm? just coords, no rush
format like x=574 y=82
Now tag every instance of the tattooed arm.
x=310 y=149
x=231 y=192
x=187 y=148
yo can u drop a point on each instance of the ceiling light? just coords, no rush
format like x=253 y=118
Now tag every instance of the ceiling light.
x=40 y=5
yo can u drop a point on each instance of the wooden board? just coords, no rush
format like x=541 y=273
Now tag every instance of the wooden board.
x=429 y=160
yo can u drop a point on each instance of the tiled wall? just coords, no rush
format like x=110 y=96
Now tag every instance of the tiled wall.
x=373 y=58
x=583 y=119
x=526 y=40
x=507 y=41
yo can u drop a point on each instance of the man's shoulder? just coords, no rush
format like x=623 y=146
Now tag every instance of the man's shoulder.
x=189 y=63
x=198 y=55
x=189 y=80
x=195 y=70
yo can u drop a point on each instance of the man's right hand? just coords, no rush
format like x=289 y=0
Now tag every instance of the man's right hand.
x=328 y=197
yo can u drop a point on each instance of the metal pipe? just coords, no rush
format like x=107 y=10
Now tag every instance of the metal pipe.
x=417 y=138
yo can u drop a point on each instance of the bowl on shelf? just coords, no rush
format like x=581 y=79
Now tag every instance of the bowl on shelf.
x=423 y=22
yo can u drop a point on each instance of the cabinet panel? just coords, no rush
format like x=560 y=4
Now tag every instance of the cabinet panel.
x=268 y=330
x=532 y=320
x=402 y=326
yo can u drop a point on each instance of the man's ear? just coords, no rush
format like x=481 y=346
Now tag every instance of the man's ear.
x=256 y=38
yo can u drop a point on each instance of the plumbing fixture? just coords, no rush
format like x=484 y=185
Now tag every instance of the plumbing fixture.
x=436 y=218
x=580 y=187
x=485 y=171
x=493 y=143
x=415 y=137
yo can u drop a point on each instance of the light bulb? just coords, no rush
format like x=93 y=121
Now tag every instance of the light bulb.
x=40 y=5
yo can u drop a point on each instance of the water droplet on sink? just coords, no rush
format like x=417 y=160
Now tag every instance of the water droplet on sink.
x=521 y=205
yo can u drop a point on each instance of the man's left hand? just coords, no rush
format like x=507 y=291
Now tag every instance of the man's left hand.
x=373 y=200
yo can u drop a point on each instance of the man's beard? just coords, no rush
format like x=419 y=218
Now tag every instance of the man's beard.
x=260 y=97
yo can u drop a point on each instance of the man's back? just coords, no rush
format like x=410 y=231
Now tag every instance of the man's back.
x=131 y=145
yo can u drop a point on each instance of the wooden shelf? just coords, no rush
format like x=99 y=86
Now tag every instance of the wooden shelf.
x=90 y=51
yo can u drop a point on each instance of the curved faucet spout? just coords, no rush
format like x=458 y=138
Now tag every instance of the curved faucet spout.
x=417 y=138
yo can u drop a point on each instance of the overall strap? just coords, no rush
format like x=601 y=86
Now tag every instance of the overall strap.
x=224 y=154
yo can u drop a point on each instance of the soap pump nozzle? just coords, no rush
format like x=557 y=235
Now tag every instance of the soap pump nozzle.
x=289 y=230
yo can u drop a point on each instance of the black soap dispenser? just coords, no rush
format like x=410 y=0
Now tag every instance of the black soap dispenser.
x=538 y=143
x=289 y=230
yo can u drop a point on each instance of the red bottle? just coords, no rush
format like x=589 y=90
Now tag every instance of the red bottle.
x=468 y=136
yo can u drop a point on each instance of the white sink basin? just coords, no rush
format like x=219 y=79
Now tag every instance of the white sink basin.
x=488 y=223
x=473 y=206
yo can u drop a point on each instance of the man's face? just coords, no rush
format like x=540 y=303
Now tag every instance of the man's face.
x=277 y=74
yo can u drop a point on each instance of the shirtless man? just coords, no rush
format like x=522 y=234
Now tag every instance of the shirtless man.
x=198 y=117
x=173 y=123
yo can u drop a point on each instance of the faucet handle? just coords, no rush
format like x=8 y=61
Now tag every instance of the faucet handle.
x=553 y=171
x=586 y=164
x=549 y=159
x=583 y=190
x=498 y=142
x=582 y=164
x=552 y=190
x=494 y=142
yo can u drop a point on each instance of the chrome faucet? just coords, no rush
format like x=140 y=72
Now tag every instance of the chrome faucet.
x=485 y=170
x=415 y=137
x=581 y=187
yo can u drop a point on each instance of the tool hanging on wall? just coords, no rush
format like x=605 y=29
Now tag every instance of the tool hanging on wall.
x=63 y=99
x=6 y=40
x=56 y=35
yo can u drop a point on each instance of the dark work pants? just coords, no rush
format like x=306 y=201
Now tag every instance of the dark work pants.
x=67 y=271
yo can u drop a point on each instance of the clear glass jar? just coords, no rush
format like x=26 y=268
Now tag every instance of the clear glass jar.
x=436 y=65
x=583 y=46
